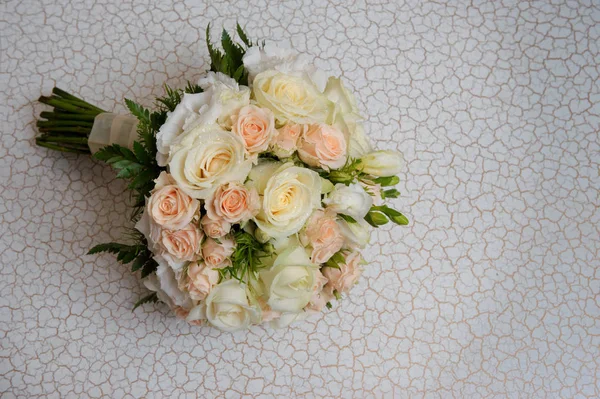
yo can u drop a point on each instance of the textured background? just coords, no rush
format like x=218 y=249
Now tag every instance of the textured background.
x=493 y=291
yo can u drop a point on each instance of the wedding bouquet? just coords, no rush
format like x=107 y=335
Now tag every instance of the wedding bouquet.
x=254 y=189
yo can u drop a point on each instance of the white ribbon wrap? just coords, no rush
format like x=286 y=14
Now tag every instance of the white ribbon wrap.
x=112 y=128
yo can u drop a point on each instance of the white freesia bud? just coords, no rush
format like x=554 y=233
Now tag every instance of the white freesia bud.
x=289 y=282
x=350 y=200
x=383 y=163
x=229 y=307
x=356 y=235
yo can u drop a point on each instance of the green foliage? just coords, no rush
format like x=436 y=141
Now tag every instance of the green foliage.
x=347 y=218
x=150 y=298
x=229 y=60
x=392 y=193
x=329 y=305
x=387 y=181
x=246 y=260
x=125 y=253
x=348 y=174
x=336 y=260
x=192 y=88
x=171 y=98
x=375 y=218
x=380 y=215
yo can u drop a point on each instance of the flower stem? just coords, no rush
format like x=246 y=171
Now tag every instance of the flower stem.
x=67 y=127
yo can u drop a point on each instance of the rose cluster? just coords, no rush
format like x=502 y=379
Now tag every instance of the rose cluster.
x=284 y=160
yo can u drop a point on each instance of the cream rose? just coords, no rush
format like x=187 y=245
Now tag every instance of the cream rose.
x=233 y=202
x=323 y=146
x=207 y=157
x=350 y=200
x=289 y=195
x=168 y=206
x=289 y=283
x=215 y=228
x=324 y=236
x=285 y=143
x=181 y=245
x=342 y=279
x=382 y=163
x=292 y=98
x=229 y=307
x=216 y=252
x=201 y=280
x=256 y=127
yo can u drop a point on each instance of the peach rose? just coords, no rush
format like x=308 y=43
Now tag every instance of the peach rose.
x=256 y=127
x=201 y=280
x=215 y=228
x=285 y=142
x=323 y=234
x=323 y=146
x=216 y=252
x=182 y=245
x=320 y=297
x=342 y=279
x=233 y=202
x=267 y=313
x=168 y=206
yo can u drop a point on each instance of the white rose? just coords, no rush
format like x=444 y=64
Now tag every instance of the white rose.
x=356 y=235
x=259 y=59
x=292 y=98
x=350 y=200
x=288 y=193
x=229 y=307
x=165 y=284
x=192 y=109
x=289 y=282
x=207 y=157
x=383 y=163
x=226 y=94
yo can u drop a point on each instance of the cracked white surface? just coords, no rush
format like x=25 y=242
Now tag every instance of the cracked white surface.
x=493 y=291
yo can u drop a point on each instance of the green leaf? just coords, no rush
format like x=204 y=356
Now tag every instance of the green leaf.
x=215 y=54
x=151 y=298
x=387 y=181
x=171 y=99
x=393 y=193
x=192 y=88
x=393 y=214
x=376 y=219
x=138 y=111
x=243 y=36
x=139 y=262
x=149 y=268
x=347 y=218
x=232 y=51
x=111 y=247
x=141 y=154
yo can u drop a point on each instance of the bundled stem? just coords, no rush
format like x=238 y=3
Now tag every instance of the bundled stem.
x=67 y=127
